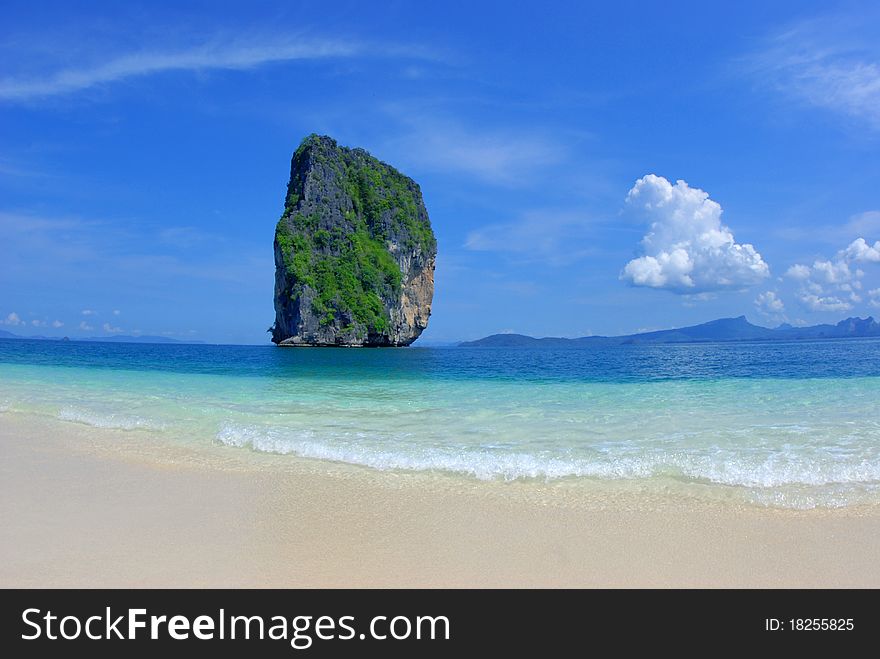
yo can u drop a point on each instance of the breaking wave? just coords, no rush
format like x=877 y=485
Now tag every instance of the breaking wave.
x=766 y=473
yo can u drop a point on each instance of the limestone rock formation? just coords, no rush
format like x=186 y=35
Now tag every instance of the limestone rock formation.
x=354 y=252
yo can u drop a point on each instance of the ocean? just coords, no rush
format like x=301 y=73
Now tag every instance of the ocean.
x=794 y=425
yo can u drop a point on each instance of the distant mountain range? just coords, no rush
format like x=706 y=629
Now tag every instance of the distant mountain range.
x=119 y=338
x=723 y=329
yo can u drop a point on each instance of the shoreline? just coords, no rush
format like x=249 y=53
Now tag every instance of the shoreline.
x=89 y=507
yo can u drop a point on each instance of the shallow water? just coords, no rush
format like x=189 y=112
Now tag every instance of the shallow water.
x=783 y=424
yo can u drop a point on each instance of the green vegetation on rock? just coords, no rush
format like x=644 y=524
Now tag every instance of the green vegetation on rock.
x=376 y=191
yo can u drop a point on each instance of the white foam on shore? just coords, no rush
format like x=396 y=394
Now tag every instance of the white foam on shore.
x=768 y=473
x=112 y=421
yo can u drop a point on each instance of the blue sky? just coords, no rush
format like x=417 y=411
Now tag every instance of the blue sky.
x=588 y=168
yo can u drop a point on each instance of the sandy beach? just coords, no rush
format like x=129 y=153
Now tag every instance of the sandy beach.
x=91 y=507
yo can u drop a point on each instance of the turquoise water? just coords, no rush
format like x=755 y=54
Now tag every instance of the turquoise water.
x=787 y=424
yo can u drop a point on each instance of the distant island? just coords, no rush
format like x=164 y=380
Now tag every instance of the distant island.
x=721 y=330
x=354 y=252
x=119 y=338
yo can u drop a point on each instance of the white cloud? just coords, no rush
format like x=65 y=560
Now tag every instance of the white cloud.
x=221 y=52
x=832 y=284
x=85 y=327
x=38 y=323
x=87 y=312
x=110 y=329
x=830 y=62
x=769 y=303
x=57 y=323
x=799 y=272
x=688 y=250
x=828 y=303
x=861 y=252
x=837 y=272
x=874 y=298
x=12 y=319
x=116 y=312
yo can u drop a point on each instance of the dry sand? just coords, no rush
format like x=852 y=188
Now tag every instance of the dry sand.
x=82 y=506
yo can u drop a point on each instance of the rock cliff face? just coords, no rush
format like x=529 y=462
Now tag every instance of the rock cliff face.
x=354 y=252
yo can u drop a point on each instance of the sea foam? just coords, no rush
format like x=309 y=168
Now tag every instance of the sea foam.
x=108 y=420
x=761 y=471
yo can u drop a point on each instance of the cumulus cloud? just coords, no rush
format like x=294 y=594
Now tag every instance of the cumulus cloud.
x=110 y=329
x=85 y=327
x=12 y=319
x=833 y=284
x=57 y=323
x=769 y=303
x=823 y=303
x=874 y=298
x=687 y=249
x=837 y=272
x=799 y=272
x=88 y=312
x=860 y=251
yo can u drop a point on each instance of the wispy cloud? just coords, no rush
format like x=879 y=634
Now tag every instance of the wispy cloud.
x=830 y=62
x=494 y=155
x=11 y=169
x=865 y=223
x=218 y=53
x=557 y=237
x=71 y=247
